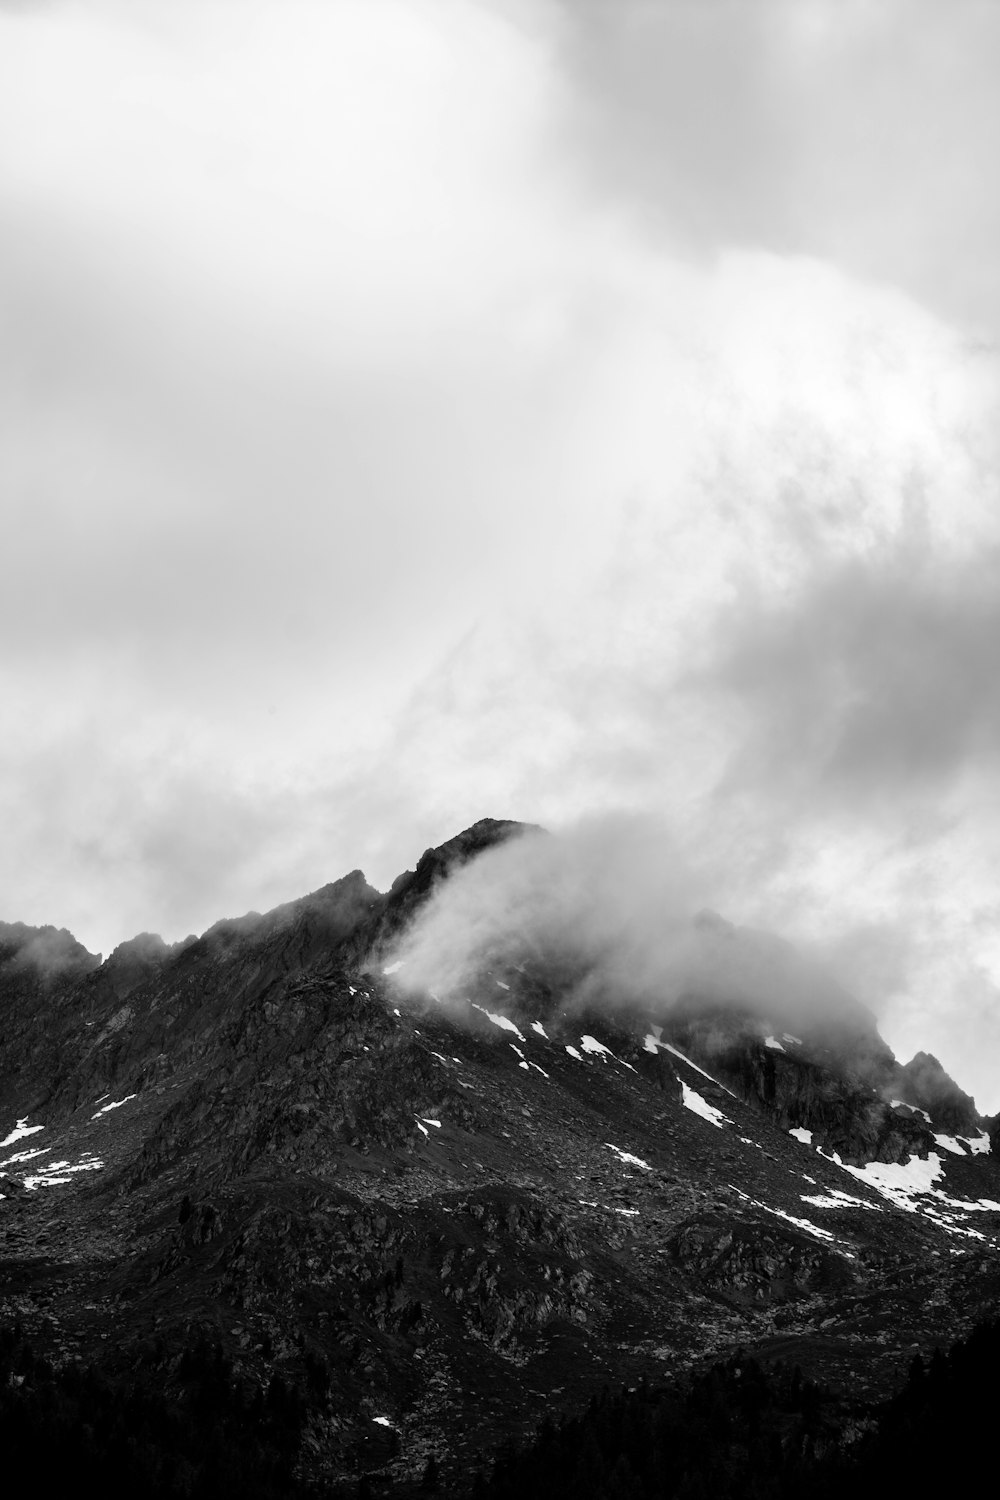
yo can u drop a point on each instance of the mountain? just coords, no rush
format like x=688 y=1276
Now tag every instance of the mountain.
x=434 y=1223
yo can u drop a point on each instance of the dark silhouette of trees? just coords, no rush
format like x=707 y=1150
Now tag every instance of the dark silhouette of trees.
x=78 y=1430
x=187 y=1427
x=742 y=1431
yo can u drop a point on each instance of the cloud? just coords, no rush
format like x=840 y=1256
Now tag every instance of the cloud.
x=425 y=411
x=877 y=685
x=610 y=910
x=789 y=665
x=50 y=951
x=854 y=133
x=794 y=587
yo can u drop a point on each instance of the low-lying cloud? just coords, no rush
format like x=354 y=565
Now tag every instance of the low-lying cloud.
x=611 y=912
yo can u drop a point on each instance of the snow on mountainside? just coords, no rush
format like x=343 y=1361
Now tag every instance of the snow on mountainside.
x=460 y=1208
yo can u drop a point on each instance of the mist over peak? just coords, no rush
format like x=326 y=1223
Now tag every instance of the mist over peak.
x=49 y=950
x=615 y=910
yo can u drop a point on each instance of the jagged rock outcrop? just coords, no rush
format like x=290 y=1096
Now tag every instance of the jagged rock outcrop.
x=410 y=890
x=923 y=1082
x=41 y=972
x=846 y=1093
x=44 y=953
x=135 y=962
x=754 y=1267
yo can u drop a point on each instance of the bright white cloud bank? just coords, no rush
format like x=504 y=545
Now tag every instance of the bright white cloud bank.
x=374 y=462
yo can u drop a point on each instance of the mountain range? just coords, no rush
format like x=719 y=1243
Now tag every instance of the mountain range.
x=423 y=1224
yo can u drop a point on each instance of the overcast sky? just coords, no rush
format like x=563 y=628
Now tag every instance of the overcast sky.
x=419 y=410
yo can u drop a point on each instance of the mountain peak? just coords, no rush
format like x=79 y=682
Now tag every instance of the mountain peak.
x=49 y=950
x=924 y=1083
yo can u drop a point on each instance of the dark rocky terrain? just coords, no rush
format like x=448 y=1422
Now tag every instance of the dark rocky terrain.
x=440 y=1224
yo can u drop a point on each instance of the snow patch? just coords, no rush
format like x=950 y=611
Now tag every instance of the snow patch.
x=700 y=1106
x=796 y=1041
x=773 y=1043
x=58 y=1173
x=573 y=1053
x=500 y=984
x=26 y=1155
x=627 y=1157
x=779 y=1213
x=678 y=1053
x=427 y=1121
x=504 y=1022
x=21 y=1129
x=964 y=1145
x=394 y=968
x=948 y=1223
x=834 y=1198
x=800 y=1134
x=115 y=1104
x=898 y=1181
x=591 y=1044
x=902 y=1104
x=537 y=1026
x=382 y=1421
x=910 y=1186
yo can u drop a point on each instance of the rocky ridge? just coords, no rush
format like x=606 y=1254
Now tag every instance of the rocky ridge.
x=441 y=1221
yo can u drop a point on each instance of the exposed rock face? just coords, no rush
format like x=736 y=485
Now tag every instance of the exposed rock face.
x=47 y=952
x=844 y=1088
x=41 y=970
x=253 y=1137
x=925 y=1083
x=751 y=1267
x=134 y=962
x=410 y=890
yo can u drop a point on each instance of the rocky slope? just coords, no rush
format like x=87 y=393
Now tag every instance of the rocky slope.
x=441 y=1222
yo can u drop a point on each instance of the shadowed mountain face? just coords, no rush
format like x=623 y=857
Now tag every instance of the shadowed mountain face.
x=441 y=1222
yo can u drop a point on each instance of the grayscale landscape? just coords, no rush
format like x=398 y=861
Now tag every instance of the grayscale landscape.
x=500 y=770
